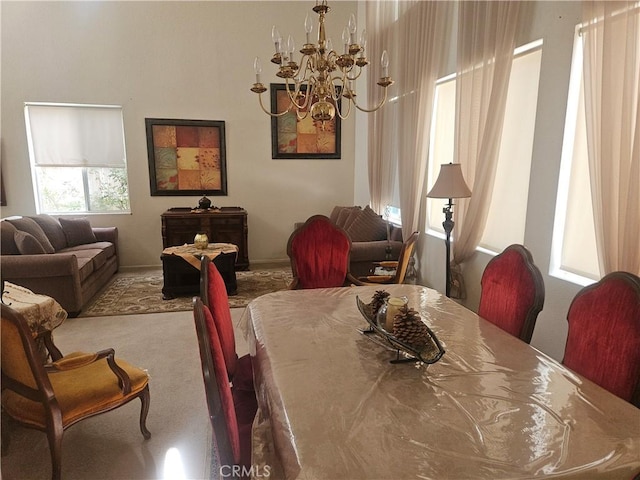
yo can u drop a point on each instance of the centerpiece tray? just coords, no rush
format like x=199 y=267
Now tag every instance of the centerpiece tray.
x=431 y=352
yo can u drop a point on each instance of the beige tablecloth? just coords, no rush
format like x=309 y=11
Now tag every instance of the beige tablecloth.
x=331 y=406
x=192 y=254
x=41 y=312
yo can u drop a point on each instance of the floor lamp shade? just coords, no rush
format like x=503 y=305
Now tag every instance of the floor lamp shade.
x=449 y=184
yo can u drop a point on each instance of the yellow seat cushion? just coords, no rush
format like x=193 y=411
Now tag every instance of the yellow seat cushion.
x=81 y=392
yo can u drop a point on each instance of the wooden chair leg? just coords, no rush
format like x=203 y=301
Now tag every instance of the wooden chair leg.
x=145 y=399
x=54 y=435
x=4 y=432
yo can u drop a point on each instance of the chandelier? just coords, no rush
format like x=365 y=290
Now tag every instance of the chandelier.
x=323 y=75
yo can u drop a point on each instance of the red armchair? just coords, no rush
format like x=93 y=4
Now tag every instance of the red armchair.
x=512 y=292
x=603 y=343
x=214 y=296
x=319 y=253
x=231 y=422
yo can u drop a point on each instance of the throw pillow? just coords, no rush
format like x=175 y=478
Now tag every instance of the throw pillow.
x=7 y=243
x=28 y=225
x=27 y=244
x=367 y=227
x=335 y=213
x=78 y=231
x=344 y=214
x=355 y=213
x=52 y=229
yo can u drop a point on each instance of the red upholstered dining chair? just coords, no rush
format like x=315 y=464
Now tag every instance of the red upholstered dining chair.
x=231 y=421
x=401 y=265
x=54 y=396
x=213 y=293
x=319 y=252
x=512 y=292
x=603 y=342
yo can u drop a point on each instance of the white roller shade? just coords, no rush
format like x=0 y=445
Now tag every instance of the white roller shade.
x=76 y=135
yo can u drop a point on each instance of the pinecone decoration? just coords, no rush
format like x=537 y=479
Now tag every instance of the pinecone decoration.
x=378 y=301
x=409 y=328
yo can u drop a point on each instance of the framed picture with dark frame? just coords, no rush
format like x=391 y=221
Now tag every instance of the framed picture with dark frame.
x=292 y=138
x=186 y=157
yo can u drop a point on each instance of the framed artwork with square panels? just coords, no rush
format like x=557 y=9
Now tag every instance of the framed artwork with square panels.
x=186 y=157
x=294 y=138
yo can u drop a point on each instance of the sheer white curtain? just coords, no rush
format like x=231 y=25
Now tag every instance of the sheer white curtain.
x=486 y=41
x=611 y=46
x=423 y=31
x=415 y=34
x=380 y=23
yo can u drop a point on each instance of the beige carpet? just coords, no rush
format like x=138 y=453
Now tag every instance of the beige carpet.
x=136 y=293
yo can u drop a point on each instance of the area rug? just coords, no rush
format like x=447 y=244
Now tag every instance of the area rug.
x=129 y=294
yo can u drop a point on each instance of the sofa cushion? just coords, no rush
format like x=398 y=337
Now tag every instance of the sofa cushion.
x=78 y=231
x=85 y=267
x=27 y=244
x=97 y=256
x=373 y=251
x=29 y=226
x=367 y=226
x=108 y=247
x=7 y=243
x=52 y=229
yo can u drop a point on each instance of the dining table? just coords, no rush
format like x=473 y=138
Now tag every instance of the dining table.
x=333 y=405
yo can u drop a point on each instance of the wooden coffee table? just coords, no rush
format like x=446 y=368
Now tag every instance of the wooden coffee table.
x=182 y=277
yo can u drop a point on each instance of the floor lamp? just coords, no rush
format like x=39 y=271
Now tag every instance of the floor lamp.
x=450 y=184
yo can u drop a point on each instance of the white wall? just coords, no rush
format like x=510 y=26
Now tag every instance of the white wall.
x=181 y=60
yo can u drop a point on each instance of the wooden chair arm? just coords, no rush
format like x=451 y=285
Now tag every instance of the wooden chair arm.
x=387 y=264
x=351 y=280
x=376 y=279
x=123 y=379
x=54 y=351
x=80 y=360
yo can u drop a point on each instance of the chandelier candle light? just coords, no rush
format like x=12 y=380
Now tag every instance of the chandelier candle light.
x=323 y=75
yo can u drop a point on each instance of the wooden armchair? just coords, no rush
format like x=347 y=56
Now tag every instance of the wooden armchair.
x=399 y=267
x=54 y=396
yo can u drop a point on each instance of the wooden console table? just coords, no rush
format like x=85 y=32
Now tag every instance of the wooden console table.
x=224 y=225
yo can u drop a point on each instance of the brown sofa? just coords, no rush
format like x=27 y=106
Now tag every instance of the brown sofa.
x=63 y=258
x=368 y=232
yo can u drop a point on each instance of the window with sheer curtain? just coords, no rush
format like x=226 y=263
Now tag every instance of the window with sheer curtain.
x=508 y=211
x=598 y=205
x=574 y=255
x=78 y=160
